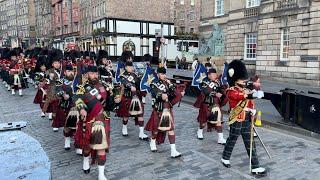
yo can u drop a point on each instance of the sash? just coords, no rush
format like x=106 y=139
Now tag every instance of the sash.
x=237 y=110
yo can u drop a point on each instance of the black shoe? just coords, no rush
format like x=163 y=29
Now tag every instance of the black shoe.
x=144 y=139
x=200 y=138
x=86 y=171
x=124 y=134
x=67 y=149
x=225 y=164
x=176 y=156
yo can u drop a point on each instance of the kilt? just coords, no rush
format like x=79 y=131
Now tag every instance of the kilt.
x=204 y=113
x=21 y=85
x=59 y=118
x=39 y=99
x=53 y=107
x=153 y=124
x=123 y=110
x=96 y=135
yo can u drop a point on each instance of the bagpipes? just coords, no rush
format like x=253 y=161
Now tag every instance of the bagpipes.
x=53 y=93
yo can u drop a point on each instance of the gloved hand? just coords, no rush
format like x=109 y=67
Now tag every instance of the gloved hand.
x=257 y=94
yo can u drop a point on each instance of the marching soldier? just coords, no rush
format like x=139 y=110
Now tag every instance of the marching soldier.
x=54 y=76
x=40 y=81
x=165 y=95
x=93 y=129
x=131 y=105
x=241 y=114
x=210 y=101
x=16 y=80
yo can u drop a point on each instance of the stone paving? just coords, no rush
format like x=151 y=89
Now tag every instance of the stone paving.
x=129 y=158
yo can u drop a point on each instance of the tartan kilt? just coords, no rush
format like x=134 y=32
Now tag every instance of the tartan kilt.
x=154 y=120
x=38 y=98
x=123 y=110
x=79 y=136
x=59 y=119
x=203 y=116
x=22 y=82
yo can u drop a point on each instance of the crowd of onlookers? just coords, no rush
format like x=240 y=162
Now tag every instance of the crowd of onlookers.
x=183 y=64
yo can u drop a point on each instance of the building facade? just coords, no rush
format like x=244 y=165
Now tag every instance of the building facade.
x=186 y=16
x=43 y=22
x=278 y=39
x=17 y=23
x=120 y=25
x=65 y=23
x=85 y=19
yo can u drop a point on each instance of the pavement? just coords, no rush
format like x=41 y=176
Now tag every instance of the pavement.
x=293 y=156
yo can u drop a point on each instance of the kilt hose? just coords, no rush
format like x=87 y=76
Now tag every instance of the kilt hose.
x=243 y=129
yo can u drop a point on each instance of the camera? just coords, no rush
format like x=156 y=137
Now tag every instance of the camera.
x=249 y=85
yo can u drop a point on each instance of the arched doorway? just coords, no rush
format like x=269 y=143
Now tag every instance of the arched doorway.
x=129 y=46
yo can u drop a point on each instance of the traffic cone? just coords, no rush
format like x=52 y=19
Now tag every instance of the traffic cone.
x=258 y=120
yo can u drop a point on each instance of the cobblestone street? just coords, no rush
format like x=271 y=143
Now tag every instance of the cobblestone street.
x=130 y=158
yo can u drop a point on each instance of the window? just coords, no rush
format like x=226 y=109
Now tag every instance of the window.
x=183 y=29
x=253 y=3
x=181 y=15
x=250 y=46
x=285 y=44
x=182 y=2
x=192 y=2
x=191 y=16
x=219 y=7
x=191 y=30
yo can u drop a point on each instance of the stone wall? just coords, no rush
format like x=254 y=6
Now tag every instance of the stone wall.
x=148 y=10
x=303 y=64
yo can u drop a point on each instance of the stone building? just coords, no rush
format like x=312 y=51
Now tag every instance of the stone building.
x=65 y=23
x=43 y=22
x=121 y=25
x=17 y=19
x=186 y=16
x=85 y=19
x=278 y=39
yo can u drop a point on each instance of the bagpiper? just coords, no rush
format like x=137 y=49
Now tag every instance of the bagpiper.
x=93 y=129
x=130 y=105
x=242 y=112
x=16 y=68
x=54 y=76
x=40 y=80
x=165 y=95
x=210 y=101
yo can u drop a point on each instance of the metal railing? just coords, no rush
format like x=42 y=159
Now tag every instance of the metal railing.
x=286 y=4
x=251 y=12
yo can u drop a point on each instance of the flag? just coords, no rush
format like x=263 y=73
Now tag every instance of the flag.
x=120 y=70
x=75 y=83
x=200 y=76
x=224 y=79
x=195 y=72
x=148 y=78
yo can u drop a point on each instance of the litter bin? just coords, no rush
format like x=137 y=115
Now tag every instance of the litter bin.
x=308 y=111
x=288 y=104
